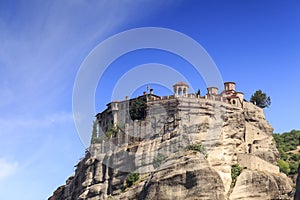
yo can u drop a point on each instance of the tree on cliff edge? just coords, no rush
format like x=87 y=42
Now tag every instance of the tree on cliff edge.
x=260 y=99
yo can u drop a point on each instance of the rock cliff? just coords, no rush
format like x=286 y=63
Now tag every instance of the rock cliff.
x=222 y=134
x=297 y=194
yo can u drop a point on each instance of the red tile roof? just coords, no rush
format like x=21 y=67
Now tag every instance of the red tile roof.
x=181 y=83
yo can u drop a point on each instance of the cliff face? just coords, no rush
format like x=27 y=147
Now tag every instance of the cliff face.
x=228 y=135
x=297 y=195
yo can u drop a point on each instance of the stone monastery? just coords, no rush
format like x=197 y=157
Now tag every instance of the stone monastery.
x=116 y=110
x=188 y=118
x=156 y=136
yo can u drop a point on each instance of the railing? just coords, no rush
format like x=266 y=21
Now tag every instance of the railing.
x=192 y=96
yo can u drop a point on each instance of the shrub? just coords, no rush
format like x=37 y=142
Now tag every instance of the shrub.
x=132 y=178
x=196 y=147
x=112 y=131
x=284 y=166
x=235 y=172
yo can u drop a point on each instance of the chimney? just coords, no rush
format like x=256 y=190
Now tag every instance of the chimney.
x=151 y=91
x=126 y=97
x=144 y=92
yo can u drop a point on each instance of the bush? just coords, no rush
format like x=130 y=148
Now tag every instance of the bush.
x=132 y=178
x=112 y=131
x=196 y=147
x=158 y=160
x=235 y=172
x=284 y=166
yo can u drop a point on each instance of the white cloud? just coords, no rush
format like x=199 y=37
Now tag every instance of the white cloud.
x=42 y=46
x=7 y=168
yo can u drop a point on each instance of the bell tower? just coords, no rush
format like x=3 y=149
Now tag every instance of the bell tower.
x=180 y=89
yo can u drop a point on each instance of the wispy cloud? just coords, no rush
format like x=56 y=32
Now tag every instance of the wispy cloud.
x=42 y=46
x=46 y=121
x=7 y=168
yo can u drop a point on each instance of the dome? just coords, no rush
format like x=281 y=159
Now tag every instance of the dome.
x=181 y=84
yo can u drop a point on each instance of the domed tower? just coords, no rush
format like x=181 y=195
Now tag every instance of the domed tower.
x=212 y=90
x=180 y=89
x=229 y=86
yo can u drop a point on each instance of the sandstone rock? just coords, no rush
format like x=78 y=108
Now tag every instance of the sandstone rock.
x=187 y=177
x=261 y=185
x=229 y=134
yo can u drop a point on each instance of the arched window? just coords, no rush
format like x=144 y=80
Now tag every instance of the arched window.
x=180 y=91
x=184 y=91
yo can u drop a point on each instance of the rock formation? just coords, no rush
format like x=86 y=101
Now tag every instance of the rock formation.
x=184 y=148
x=297 y=194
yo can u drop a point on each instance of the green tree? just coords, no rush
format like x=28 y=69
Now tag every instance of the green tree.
x=284 y=166
x=293 y=167
x=283 y=155
x=287 y=146
x=137 y=108
x=260 y=99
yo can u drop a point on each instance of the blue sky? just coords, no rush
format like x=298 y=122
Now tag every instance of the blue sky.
x=43 y=43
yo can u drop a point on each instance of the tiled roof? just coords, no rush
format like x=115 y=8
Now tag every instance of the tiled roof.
x=181 y=83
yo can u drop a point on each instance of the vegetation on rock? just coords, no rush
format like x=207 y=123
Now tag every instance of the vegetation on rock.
x=288 y=147
x=112 y=131
x=260 y=99
x=196 y=147
x=137 y=108
x=131 y=179
x=235 y=172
